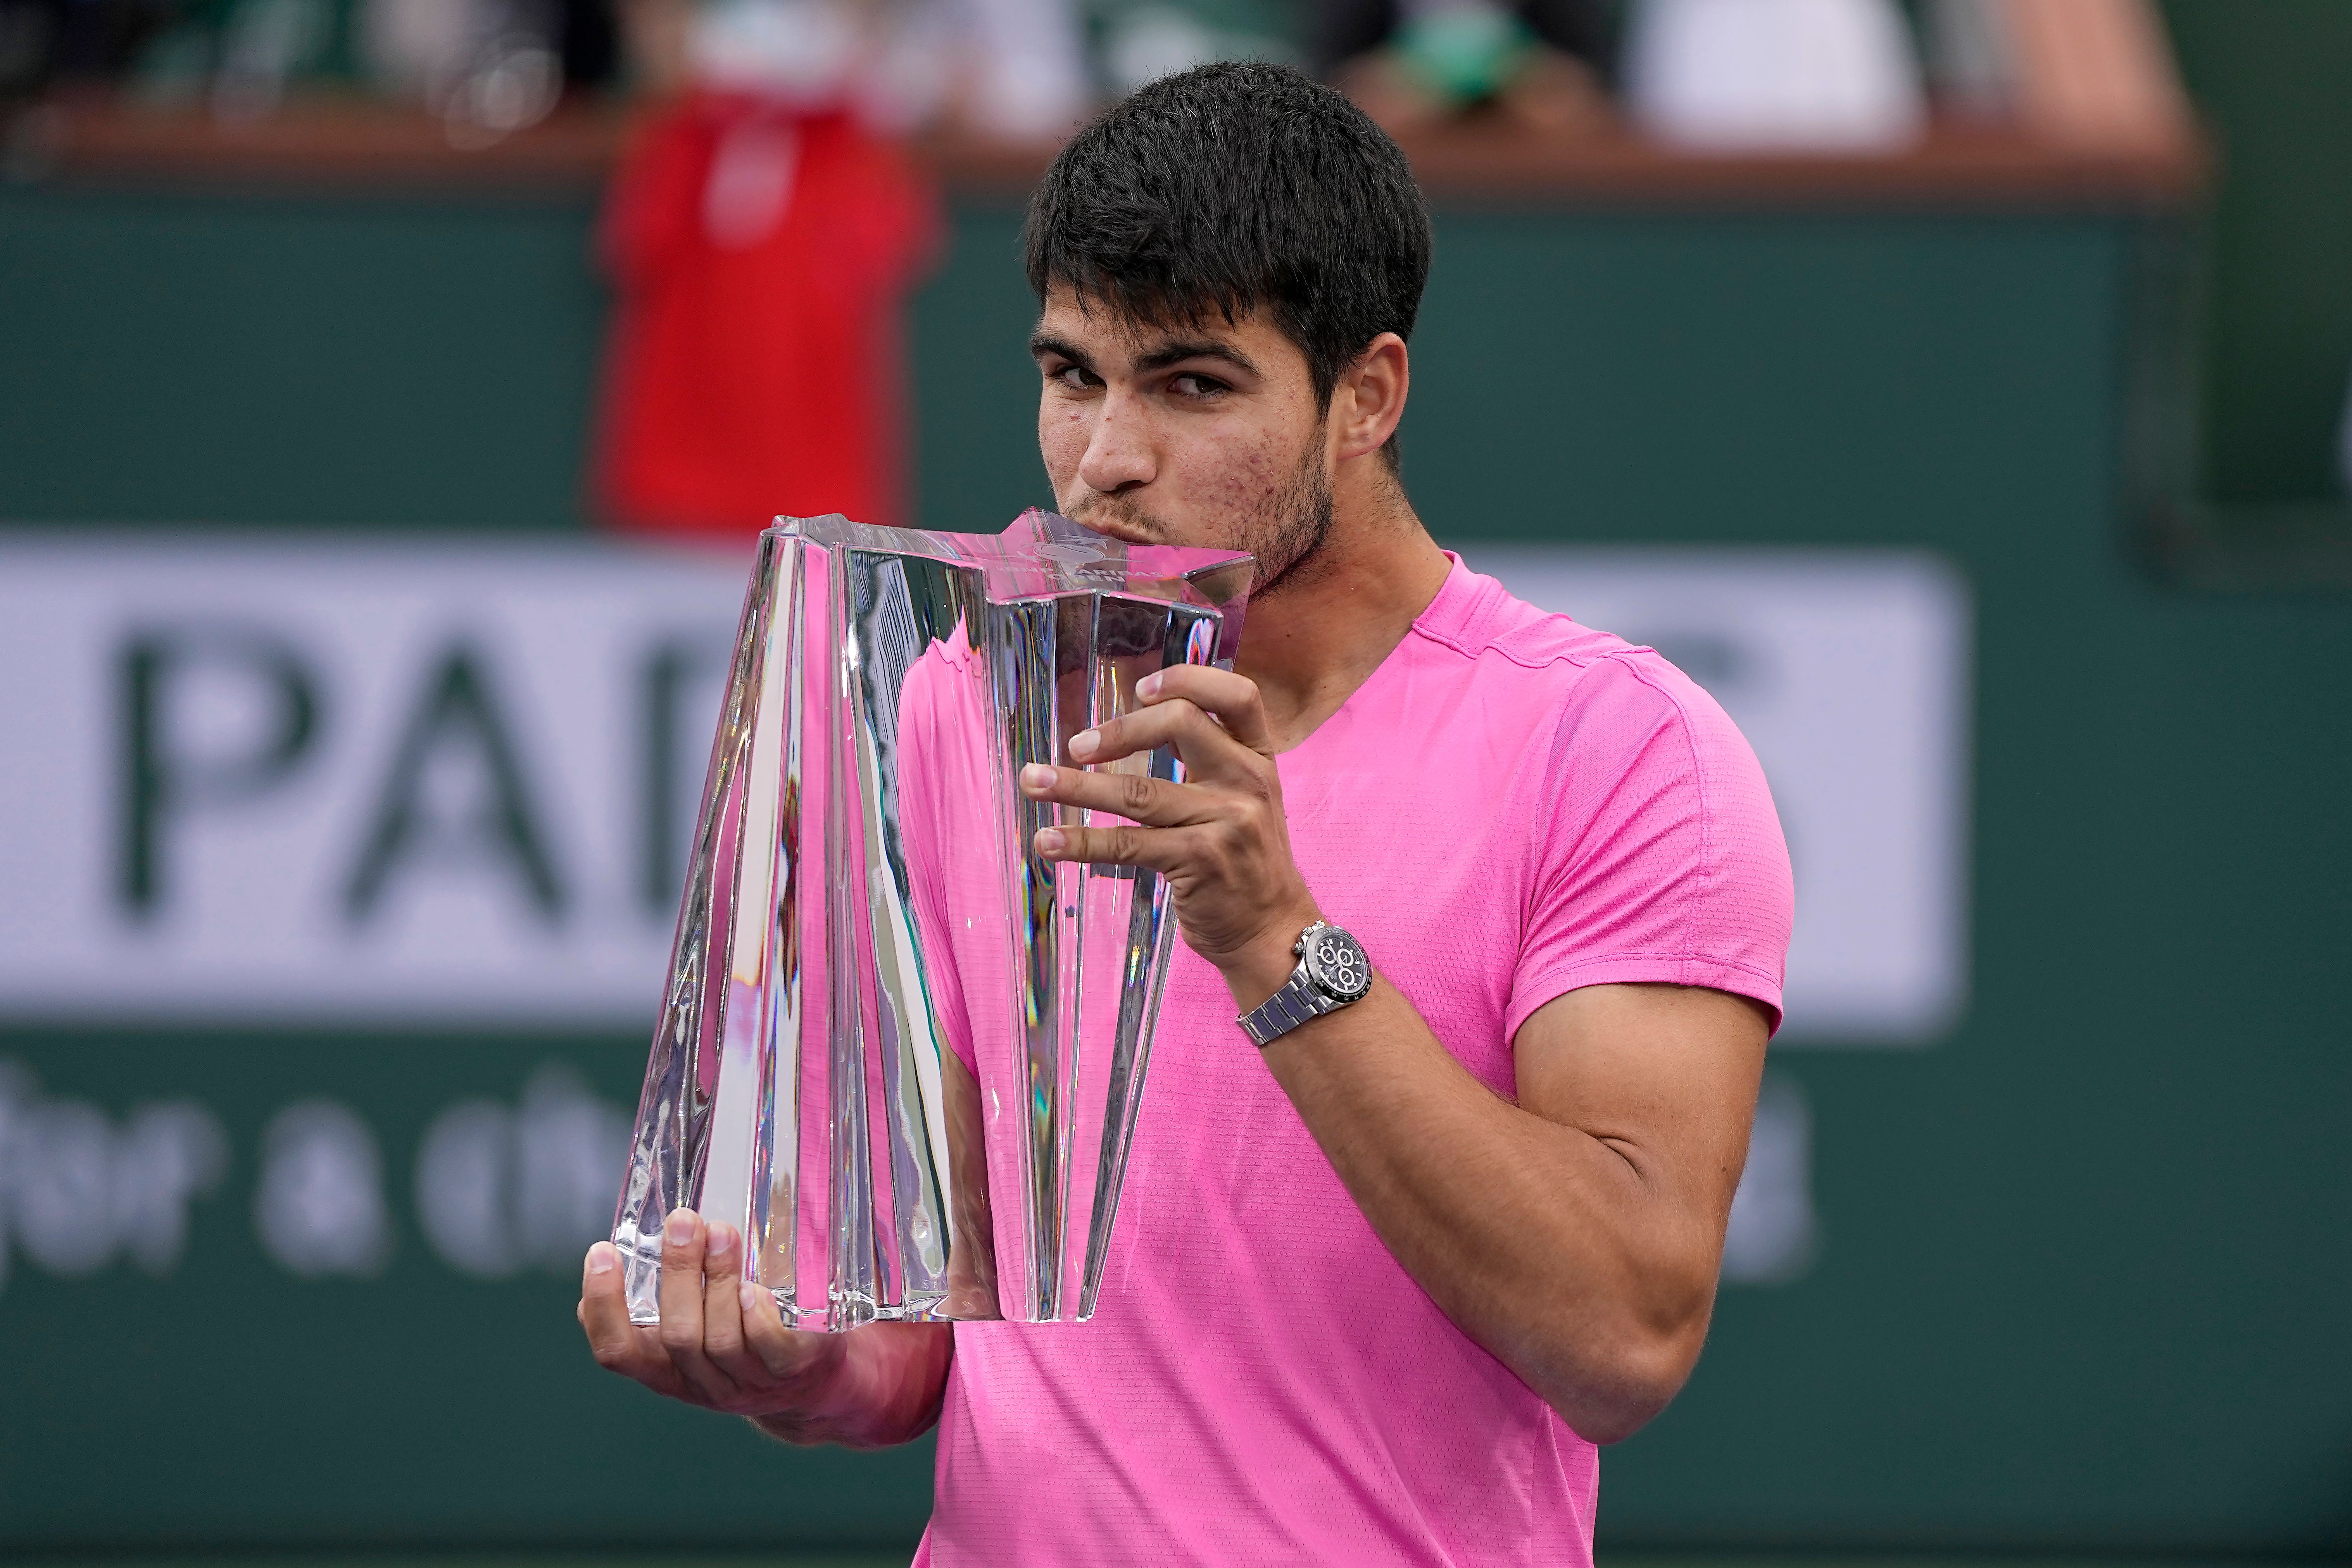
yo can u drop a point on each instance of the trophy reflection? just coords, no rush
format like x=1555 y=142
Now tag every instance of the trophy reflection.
x=898 y=1049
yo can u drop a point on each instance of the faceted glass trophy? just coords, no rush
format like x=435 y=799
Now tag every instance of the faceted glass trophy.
x=900 y=1051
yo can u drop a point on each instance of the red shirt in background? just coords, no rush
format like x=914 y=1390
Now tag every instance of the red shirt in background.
x=761 y=255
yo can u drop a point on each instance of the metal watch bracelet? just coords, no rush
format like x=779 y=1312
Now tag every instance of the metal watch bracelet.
x=1333 y=973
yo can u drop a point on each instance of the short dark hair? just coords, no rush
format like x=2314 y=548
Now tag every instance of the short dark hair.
x=1234 y=187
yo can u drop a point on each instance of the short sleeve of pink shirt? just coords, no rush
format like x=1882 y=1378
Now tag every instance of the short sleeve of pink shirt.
x=1512 y=807
x=1663 y=858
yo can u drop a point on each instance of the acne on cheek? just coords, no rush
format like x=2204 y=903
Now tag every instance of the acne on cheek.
x=1062 y=443
x=1065 y=434
x=1247 y=485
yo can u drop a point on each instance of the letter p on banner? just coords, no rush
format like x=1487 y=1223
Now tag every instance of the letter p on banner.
x=210 y=716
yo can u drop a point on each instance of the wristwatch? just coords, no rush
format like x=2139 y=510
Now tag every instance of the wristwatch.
x=1332 y=972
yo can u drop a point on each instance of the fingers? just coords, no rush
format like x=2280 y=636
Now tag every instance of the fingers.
x=1159 y=803
x=618 y=1344
x=722 y=1302
x=720 y=1343
x=1206 y=749
x=742 y=1332
x=1214 y=718
x=781 y=1353
x=682 y=1302
x=1209 y=755
x=1233 y=698
x=1219 y=836
x=1162 y=849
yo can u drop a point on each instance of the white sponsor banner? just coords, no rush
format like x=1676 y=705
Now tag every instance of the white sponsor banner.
x=402 y=780
x=1848 y=672
x=424 y=780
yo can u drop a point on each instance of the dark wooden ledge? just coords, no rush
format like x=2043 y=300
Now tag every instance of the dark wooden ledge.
x=359 y=146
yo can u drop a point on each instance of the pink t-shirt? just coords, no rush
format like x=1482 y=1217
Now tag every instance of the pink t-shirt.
x=1512 y=807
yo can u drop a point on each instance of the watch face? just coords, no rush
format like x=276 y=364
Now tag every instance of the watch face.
x=1336 y=964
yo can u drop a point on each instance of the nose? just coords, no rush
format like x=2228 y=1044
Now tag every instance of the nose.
x=1118 y=454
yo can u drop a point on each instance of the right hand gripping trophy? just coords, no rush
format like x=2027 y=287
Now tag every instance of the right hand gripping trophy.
x=899 y=1050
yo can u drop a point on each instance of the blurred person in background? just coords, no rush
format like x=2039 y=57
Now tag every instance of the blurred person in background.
x=1397 y=1253
x=1137 y=42
x=762 y=233
x=1411 y=63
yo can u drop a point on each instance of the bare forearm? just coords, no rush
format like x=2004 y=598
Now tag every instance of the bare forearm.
x=1542 y=1243
x=876 y=1386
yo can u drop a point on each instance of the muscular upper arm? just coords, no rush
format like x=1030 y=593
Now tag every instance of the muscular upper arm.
x=1655 y=1086
x=1665 y=1077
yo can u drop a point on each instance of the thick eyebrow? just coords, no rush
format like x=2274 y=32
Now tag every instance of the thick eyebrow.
x=1043 y=343
x=1172 y=352
x=1182 y=348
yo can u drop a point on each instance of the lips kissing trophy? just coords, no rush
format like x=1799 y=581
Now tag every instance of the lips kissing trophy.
x=899 y=1050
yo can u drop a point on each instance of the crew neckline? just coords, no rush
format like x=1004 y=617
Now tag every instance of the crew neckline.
x=1450 y=612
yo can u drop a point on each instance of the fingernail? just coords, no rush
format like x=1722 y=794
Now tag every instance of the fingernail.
x=748 y=1295
x=1082 y=744
x=1051 y=841
x=1149 y=686
x=602 y=1258
x=1037 y=776
x=680 y=1230
x=721 y=1239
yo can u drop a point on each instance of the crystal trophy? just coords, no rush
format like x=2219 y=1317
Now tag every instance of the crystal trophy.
x=898 y=1050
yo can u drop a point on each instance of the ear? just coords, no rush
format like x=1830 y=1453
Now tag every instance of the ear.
x=1369 y=398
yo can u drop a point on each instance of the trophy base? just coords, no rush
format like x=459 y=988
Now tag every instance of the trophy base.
x=640 y=1273
x=641 y=1281
x=641 y=1255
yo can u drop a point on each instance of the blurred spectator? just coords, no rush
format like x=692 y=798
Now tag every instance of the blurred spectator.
x=1409 y=62
x=1008 y=69
x=44 y=42
x=762 y=233
x=263 y=46
x=1774 y=75
x=487 y=67
x=29 y=31
x=1136 y=41
x=1971 y=58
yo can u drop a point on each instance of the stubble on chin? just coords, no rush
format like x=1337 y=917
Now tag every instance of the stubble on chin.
x=1291 y=529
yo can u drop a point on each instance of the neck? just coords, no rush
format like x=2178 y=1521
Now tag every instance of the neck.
x=1328 y=624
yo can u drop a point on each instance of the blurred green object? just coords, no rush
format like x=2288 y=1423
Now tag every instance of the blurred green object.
x=1136 y=41
x=2274 y=82
x=172 y=68
x=1462 y=54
